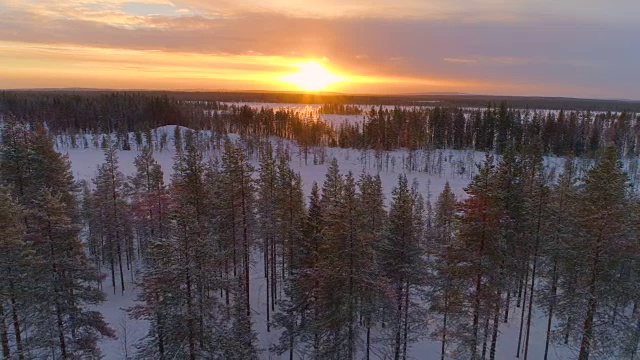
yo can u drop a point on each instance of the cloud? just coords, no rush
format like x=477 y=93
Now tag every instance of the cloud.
x=496 y=50
x=460 y=60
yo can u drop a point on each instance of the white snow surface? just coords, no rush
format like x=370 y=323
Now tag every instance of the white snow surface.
x=84 y=163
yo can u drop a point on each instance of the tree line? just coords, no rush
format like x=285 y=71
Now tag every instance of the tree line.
x=495 y=127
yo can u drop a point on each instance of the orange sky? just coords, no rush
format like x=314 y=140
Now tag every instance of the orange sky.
x=581 y=48
x=39 y=65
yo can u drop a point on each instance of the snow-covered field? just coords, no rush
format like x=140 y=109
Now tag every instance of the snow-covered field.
x=440 y=165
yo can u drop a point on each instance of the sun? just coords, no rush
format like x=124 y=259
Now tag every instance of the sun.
x=312 y=76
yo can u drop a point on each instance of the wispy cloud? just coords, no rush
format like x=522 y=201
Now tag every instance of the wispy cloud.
x=505 y=60
x=460 y=60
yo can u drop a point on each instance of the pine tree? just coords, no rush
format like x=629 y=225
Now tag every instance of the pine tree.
x=158 y=299
x=332 y=288
x=290 y=212
x=475 y=262
x=373 y=222
x=60 y=283
x=67 y=328
x=513 y=251
x=299 y=309
x=238 y=211
x=187 y=212
x=149 y=200
x=402 y=259
x=562 y=230
x=92 y=228
x=444 y=297
x=239 y=341
x=113 y=216
x=268 y=224
x=17 y=154
x=536 y=223
x=595 y=256
x=340 y=265
x=15 y=262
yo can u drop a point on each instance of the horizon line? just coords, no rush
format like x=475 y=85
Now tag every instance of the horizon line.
x=316 y=93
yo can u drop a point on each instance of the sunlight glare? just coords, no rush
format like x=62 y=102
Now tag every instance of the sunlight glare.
x=312 y=76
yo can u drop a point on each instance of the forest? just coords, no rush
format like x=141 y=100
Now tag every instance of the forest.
x=350 y=273
x=491 y=127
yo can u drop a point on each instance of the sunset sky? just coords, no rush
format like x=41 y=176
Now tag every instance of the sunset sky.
x=581 y=48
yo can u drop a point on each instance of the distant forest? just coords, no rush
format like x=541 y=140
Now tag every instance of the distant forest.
x=573 y=126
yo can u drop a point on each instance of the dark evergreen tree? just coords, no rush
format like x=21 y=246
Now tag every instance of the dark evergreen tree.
x=444 y=299
x=402 y=260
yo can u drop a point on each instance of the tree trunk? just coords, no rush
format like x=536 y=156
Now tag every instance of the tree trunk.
x=190 y=330
x=568 y=330
x=274 y=276
x=486 y=337
x=529 y=311
x=63 y=346
x=351 y=294
x=406 y=323
x=16 y=327
x=398 y=325
x=227 y=301
x=494 y=335
x=291 y=346
x=367 y=356
x=444 y=327
x=554 y=284
x=120 y=265
x=160 y=332
x=476 y=300
x=113 y=270
x=57 y=280
x=234 y=245
x=266 y=276
x=587 y=328
x=524 y=300
x=245 y=238
x=291 y=226
x=522 y=283
x=6 y=352
x=507 y=306
x=636 y=339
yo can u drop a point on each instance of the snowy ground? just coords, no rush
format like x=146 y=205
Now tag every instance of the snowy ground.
x=85 y=161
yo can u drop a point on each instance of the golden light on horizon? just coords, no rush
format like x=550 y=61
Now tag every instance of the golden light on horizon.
x=28 y=66
x=312 y=76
